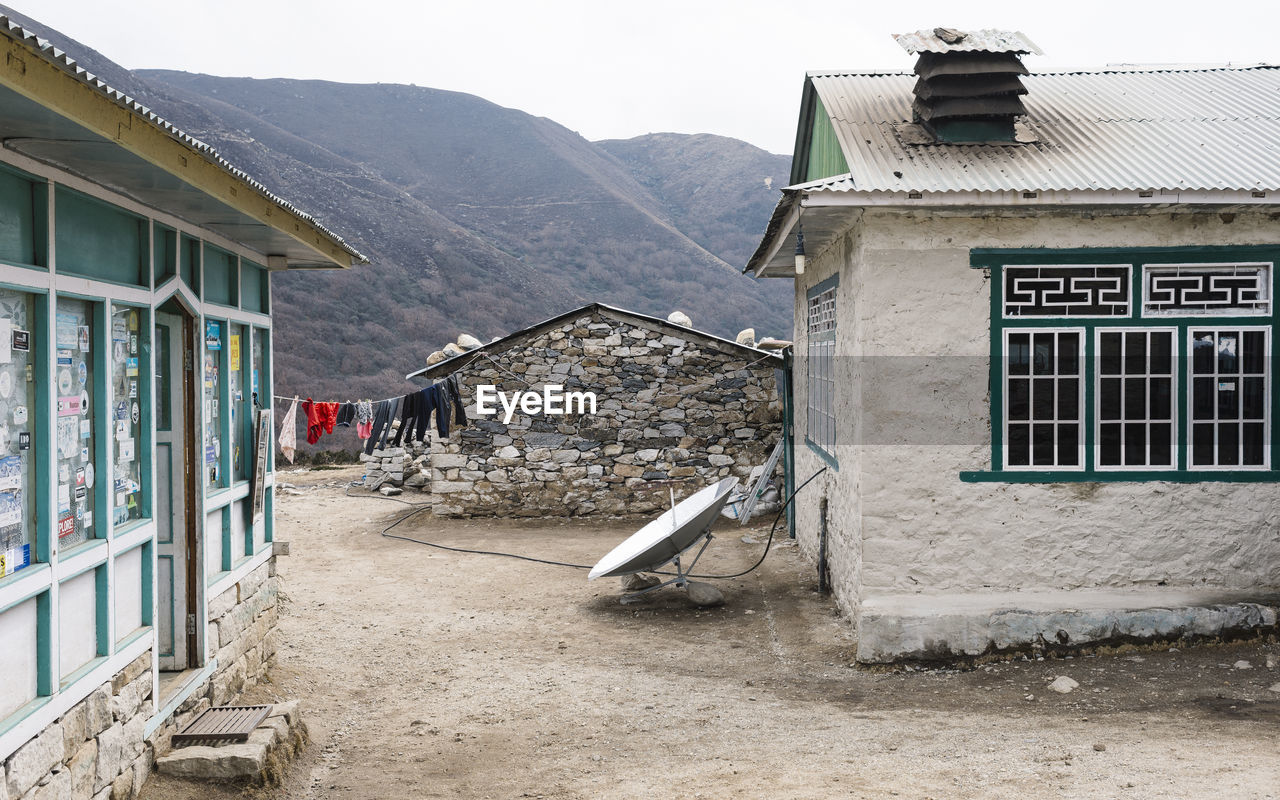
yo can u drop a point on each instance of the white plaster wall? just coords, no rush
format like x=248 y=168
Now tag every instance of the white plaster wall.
x=77 y=623
x=213 y=542
x=925 y=531
x=127 y=587
x=18 y=662
x=839 y=485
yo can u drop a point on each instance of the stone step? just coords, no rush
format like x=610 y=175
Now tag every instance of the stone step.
x=240 y=761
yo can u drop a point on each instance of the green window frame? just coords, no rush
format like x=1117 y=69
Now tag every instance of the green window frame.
x=1135 y=307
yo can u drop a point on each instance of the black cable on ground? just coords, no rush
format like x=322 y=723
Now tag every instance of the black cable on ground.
x=420 y=507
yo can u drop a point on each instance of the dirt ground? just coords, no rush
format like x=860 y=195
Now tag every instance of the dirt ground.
x=427 y=673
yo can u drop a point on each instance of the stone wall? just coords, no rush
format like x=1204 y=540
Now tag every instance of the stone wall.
x=98 y=749
x=675 y=411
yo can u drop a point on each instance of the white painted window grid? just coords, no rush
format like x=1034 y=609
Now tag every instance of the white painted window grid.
x=1059 y=420
x=1200 y=290
x=1073 y=291
x=820 y=419
x=1222 y=378
x=1132 y=369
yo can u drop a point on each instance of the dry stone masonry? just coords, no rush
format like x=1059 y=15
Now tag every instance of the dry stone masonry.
x=675 y=410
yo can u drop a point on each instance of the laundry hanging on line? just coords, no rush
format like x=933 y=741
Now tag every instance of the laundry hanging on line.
x=373 y=421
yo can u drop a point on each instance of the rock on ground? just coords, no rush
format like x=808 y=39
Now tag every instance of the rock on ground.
x=639 y=581
x=1062 y=684
x=704 y=594
x=680 y=318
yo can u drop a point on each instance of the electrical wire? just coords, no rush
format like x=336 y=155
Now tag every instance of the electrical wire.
x=418 y=508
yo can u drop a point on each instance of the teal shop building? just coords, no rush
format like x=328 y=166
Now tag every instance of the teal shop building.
x=1036 y=328
x=137 y=574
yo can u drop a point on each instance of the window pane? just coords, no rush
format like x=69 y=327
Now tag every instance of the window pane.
x=18 y=447
x=1161 y=353
x=1135 y=353
x=1228 y=398
x=75 y=424
x=1228 y=354
x=1228 y=443
x=1135 y=398
x=1110 y=355
x=1019 y=445
x=1135 y=443
x=1019 y=399
x=1109 y=444
x=1068 y=445
x=1253 y=443
x=1252 y=396
x=1042 y=445
x=1254 y=356
x=127 y=329
x=1109 y=398
x=1068 y=398
x=1202 y=352
x=1068 y=353
x=1202 y=444
x=1202 y=401
x=1161 y=398
x=1042 y=362
x=1043 y=399
x=1019 y=354
x=1161 y=445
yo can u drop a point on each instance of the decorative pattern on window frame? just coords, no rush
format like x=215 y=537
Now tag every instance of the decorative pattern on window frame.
x=820 y=334
x=1206 y=290
x=1067 y=291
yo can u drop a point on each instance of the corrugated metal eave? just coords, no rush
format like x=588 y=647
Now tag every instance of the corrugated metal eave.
x=62 y=61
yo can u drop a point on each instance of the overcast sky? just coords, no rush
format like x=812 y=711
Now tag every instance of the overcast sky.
x=616 y=70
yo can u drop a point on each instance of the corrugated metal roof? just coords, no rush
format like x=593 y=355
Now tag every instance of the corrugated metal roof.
x=64 y=62
x=990 y=41
x=1179 y=128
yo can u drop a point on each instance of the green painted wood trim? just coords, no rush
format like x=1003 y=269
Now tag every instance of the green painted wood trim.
x=46 y=665
x=80 y=672
x=148 y=584
x=988 y=258
x=103 y=609
x=995 y=381
x=140 y=633
x=32 y=706
x=103 y=440
x=788 y=438
x=826 y=156
x=828 y=458
x=268 y=515
x=225 y=445
x=1094 y=476
x=226 y=538
x=146 y=417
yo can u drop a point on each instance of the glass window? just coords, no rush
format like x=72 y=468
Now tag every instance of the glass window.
x=821 y=328
x=74 y=389
x=212 y=460
x=1229 y=398
x=1135 y=386
x=17 y=430
x=127 y=343
x=1045 y=398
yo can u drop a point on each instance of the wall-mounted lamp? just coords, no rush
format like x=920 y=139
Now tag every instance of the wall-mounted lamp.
x=799 y=250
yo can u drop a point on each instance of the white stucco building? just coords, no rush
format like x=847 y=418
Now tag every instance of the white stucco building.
x=1034 y=338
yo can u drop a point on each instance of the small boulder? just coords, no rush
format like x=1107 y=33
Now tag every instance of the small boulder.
x=1062 y=684
x=747 y=337
x=769 y=343
x=436 y=357
x=680 y=318
x=1242 y=664
x=468 y=342
x=1275 y=687
x=450 y=350
x=390 y=491
x=639 y=581
x=704 y=594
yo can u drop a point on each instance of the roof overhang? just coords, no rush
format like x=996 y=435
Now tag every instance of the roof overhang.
x=53 y=112
x=826 y=209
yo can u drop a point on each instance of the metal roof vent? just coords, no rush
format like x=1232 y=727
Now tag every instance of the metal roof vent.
x=970 y=87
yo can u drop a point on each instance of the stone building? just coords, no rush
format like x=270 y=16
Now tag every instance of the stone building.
x=675 y=409
x=137 y=566
x=1034 y=337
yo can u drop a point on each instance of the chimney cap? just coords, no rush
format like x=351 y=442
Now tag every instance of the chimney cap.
x=951 y=40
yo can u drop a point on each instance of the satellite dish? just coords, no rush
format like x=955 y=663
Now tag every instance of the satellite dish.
x=668 y=537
